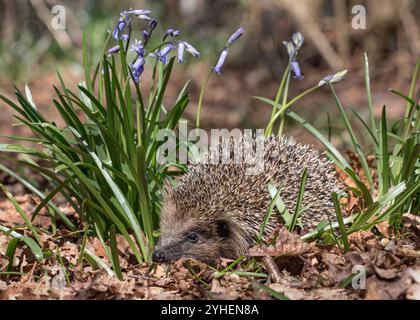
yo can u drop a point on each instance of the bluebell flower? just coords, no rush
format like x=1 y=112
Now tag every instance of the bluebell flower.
x=114 y=49
x=172 y=32
x=193 y=51
x=220 y=62
x=235 y=36
x=140 y=12
x=146 y=35
x=137 y=68
x=296 y=70
x=339 y=76
x=291 y=50
x=182 y=46
x=298 y=40
x=152 y=25
x=123 y=22
x=181 y=50
x=162 y=55
x=144 y=17
x=137 y=47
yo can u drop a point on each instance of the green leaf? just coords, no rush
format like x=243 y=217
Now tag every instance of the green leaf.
x=272 y=292
x=10 y=252
x=114 y=253
x=35 y=248
x=268 y=216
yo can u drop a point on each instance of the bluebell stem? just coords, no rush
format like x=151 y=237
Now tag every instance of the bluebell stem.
x=222 y=58
x=296 y=70
x=235 y=36
x=181 y=50
x=114 y=49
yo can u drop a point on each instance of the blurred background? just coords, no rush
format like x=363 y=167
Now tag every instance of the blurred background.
x=31 y=51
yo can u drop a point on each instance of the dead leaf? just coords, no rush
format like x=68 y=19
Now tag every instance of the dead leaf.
x=317 y=294
x=222 y=293
x=413 y=293
x=386 y=290
x=383 y=228
x=288 y=244
x=387 y=274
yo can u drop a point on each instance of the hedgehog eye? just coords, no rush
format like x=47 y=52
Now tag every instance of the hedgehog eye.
x=192 y=237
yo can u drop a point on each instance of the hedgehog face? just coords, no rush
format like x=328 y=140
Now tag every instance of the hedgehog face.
x=201 y=240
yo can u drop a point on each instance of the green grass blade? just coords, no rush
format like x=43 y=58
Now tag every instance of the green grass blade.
x=270 y=291
x=10 y=252
x=369 y=94
x=299 y=201
x=35 y=248
x=114 y=253
x=267 y=217
x=355 y=142
x=384 y=169
x=340 y=221
x=280 y=205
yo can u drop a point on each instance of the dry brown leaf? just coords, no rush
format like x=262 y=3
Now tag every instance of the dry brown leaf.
x=220 y=292
x=377 y=289
x=387 y=274
x=383 y=228
x=413 y=293
x=317 y=294
x=288 y=244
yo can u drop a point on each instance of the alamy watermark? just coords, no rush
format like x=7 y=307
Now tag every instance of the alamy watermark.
x=359 y=20
x=58 y=21
x=359 y=280
x=220 y=147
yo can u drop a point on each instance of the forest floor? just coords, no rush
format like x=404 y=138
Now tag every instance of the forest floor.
x=389 y=262
x=389 y=268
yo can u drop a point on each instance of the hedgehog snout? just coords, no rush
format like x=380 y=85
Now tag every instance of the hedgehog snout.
x=158 y=256
x=167 y=253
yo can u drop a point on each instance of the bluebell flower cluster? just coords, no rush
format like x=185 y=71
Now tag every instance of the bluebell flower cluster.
x=293 y=48
x=122 y=30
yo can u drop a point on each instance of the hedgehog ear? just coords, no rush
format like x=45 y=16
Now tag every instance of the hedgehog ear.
x=222 y=228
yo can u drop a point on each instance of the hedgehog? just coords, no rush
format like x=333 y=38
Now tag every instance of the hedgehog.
x=216 y=210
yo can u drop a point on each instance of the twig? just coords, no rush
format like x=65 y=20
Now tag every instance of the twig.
x=272 y=268
x=410 y=26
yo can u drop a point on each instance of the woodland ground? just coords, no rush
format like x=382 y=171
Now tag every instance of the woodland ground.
x=303 y=271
